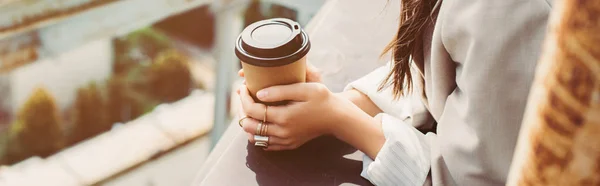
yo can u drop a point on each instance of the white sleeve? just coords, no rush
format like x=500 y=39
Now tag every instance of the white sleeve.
x=384 y=99
x=403 y=158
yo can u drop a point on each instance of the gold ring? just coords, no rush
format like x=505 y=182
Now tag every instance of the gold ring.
x=240 y=121
x=258 y=128
x=265 y=117
x=263 y=129
x=266 y=129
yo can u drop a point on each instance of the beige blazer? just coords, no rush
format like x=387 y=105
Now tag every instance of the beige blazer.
x=476 y=69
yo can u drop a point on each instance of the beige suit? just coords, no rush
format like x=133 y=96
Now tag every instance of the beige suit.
x=477 y=74
x=476 y=69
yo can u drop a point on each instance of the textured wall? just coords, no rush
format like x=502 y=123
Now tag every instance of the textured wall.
x=560 y=140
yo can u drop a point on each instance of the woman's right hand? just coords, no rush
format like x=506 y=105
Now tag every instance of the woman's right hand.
x=313 y=74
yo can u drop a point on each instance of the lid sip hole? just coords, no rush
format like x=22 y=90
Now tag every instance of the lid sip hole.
x=296 y=27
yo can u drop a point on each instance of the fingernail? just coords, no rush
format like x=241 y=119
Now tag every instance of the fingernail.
x=261 y=94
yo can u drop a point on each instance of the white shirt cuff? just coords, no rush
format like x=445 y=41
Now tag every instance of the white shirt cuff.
x=403 y=158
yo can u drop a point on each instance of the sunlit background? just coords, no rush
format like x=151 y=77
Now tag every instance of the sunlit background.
x=119 y=92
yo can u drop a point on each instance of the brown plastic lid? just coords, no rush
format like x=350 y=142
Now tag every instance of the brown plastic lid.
x=272 y=42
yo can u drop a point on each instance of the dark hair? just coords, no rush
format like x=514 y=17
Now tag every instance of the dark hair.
x=415 y=15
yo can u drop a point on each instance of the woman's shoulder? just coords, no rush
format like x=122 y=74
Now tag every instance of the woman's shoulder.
x=461 y=23
x=492 y=13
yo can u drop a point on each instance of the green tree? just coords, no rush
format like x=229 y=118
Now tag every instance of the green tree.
x=89 y=115
x=38 y=131
x=122 y=105
x=139 y=46
x=170 y=77
x=14 y=152
x=148 y=41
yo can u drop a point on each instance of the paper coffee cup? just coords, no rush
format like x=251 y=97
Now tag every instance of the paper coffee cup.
x=273 y=52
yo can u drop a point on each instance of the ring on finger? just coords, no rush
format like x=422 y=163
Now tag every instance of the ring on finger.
x=258 y=138
x=261 y=141
x=259 y=128
x=261 y=144
x=241 y=120
x=263 y=131
x=265 y=116
x=266 y=129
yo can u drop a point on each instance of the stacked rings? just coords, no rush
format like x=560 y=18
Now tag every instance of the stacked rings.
x=265 y=127
x=261 y=139
x=262 y=129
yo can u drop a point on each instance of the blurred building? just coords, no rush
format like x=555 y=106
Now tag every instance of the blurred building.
x=64 y=53
x=64 y=45
x=62 y=74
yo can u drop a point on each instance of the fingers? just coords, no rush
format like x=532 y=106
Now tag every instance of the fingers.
x=250 y=126
x=257 y=110
x=293 y=92
x=273 y=141
x=238 y=90
x=251 y=108
x=241 y=73
x=276 y=143
x=312 y=73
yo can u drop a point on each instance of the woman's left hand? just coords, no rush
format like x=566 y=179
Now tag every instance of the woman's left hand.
x=312 y=111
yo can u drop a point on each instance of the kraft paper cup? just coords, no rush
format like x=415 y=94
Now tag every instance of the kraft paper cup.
x=273 y=52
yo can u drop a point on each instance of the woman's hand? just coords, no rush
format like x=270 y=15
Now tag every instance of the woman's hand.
x=313 y=111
